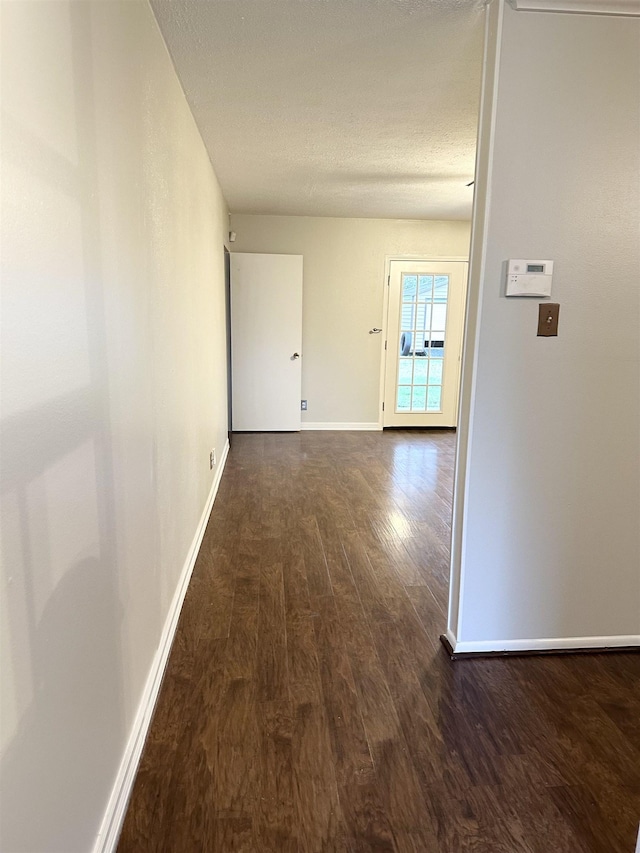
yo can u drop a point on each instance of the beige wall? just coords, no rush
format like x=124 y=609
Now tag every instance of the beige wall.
x=344 y=268
x=547 y=537
x=113 y=393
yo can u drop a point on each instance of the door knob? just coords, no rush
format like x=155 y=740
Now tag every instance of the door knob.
x=374 y=331
x=295 y=356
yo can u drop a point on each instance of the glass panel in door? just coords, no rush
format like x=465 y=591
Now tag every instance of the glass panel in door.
x=422 y=334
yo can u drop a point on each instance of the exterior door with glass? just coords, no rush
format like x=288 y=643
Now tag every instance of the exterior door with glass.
x=425 y=321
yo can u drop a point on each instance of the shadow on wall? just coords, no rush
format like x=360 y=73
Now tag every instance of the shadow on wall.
x=68 y=732
x=63 y=725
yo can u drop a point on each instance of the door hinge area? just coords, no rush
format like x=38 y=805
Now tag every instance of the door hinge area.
x=388 y=280
x=383 y=407
x=385 y=345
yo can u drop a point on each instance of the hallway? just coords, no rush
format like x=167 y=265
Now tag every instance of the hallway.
x=309 y=706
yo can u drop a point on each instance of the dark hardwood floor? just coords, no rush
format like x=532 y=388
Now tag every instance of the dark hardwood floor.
x=309 y=706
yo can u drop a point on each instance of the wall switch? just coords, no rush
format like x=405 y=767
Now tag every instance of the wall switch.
x=303 y=405
x=212 y=459
x=548 y=313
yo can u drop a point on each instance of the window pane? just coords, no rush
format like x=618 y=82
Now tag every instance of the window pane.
x=405 y=370
x=436 y=349
x=427 y=316
x=408 y=316
x=409 y=284
x=420 y=338
x=435 y=371
x=433 y=398
x=423 y=316
x=419 y=401
x=439 y=319
x=425 y=287
x=420 y=371
x=404 y=398
x=442 y=287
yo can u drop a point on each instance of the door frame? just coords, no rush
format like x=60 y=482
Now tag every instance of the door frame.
x=436 y=259
x=227 y=314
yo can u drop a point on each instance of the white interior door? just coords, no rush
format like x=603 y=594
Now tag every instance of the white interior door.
x=425 y=322
x=266 y=341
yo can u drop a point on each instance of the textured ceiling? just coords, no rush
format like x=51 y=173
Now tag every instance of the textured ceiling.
x=359 y=108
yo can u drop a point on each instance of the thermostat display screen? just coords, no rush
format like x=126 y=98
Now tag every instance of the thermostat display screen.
x=535 y=268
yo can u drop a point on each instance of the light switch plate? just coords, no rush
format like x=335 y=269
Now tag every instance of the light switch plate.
x=548 y=314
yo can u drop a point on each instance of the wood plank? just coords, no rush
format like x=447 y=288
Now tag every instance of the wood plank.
x=364 y=814
x=272 y=669
x=317 y=810
x=273 y=819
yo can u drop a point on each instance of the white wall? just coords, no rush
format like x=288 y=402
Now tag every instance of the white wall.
x=113 y=392
x=344 y=269
x=547 y=530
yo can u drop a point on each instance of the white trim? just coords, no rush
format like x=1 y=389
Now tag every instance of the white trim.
x=436 y=259
x=114 y=815
x=340 y=426
x=638 y=842
x=630 y=8
x=382 y=364
x=451 y=638
x=543 y=645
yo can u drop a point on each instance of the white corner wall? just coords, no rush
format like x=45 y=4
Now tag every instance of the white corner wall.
x=547 y=519
x=113 y=393
x=343 y=297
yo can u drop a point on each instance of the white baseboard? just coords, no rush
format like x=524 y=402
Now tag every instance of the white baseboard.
x=543 y=645
x=114 y=816
x=340 y=426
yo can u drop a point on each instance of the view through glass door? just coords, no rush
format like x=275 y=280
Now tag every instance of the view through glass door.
x=424 y=342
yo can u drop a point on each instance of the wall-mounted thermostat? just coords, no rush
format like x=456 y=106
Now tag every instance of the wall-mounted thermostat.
x=529 y=278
